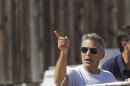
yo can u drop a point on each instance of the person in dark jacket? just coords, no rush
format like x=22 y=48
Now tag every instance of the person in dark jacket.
x=120 y=64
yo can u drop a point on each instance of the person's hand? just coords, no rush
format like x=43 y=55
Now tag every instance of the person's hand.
x=127 y=80
x=63 y=42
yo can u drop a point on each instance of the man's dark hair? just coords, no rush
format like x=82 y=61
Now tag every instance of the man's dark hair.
x=123 y=35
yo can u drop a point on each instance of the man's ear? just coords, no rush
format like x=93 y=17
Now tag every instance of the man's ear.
x=103 y=54
x=123 y=44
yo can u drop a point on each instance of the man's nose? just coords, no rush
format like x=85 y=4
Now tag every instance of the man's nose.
x=88 y=52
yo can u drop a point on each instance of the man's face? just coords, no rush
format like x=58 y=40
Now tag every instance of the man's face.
x=91 y=59
x=126 y=51
x=126 y=47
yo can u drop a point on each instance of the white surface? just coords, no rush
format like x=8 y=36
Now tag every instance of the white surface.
x=109 y=53
x=48 y=79
x=113 y=84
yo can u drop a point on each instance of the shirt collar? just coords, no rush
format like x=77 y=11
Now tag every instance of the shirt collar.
x=121 y=63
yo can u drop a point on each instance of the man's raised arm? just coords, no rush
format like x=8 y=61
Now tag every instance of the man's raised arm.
x=60 y=71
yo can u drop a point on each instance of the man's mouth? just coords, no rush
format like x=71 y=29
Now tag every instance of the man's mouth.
x=88 y=60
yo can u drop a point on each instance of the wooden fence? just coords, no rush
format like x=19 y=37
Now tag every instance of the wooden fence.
x=28 y=45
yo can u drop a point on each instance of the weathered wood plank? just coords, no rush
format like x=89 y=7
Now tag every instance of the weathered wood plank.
x=16 y=43
x=127 y=12
x=7 y=42
x=69 y=28
x=46 y=33
x=24 y=42
x=121 y=12
x=36 y=39
x=2 y=39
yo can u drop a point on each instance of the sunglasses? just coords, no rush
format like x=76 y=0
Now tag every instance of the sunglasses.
x=92 y=50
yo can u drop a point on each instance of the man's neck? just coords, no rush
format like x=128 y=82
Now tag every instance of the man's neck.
x=93 y=71
x=126 y=57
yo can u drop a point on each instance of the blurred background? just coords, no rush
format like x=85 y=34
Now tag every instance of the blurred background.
x=28 y=45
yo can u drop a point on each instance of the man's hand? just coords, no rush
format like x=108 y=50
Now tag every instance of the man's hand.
x=127 y=80
x=63 y=42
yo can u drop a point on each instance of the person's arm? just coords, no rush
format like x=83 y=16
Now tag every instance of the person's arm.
x=60 y=71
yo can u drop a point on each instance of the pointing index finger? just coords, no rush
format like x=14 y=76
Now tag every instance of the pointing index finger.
x=57 y=34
